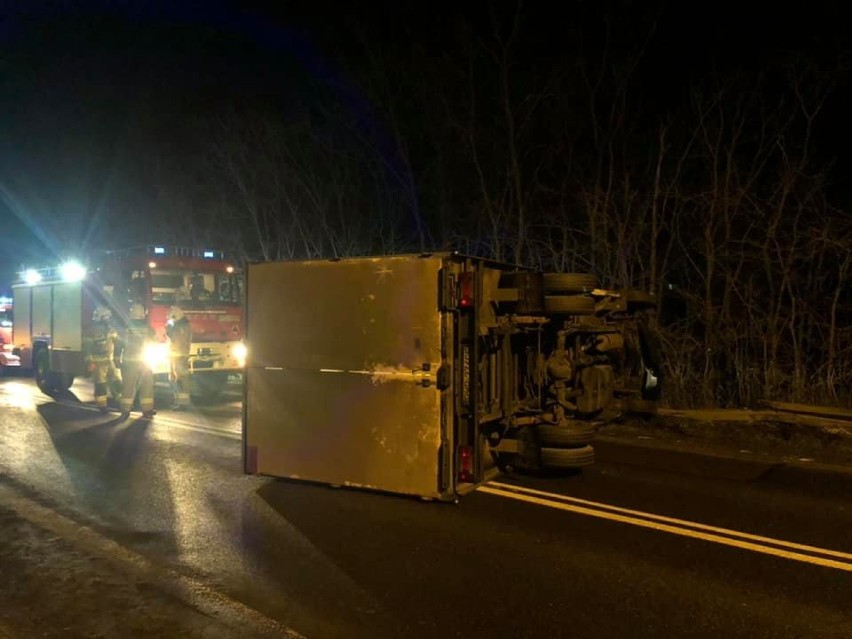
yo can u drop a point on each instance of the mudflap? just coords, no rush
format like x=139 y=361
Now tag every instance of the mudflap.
x=528 y=457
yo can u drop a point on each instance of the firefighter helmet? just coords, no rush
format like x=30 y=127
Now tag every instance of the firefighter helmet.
x=176 y=313
x=101 y=314
x=137 y=311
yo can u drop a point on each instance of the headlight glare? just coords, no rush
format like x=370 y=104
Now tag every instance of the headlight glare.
x=156 y=355
x=240 y=353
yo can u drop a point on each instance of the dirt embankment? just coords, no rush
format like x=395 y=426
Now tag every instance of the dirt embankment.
x=780 y=435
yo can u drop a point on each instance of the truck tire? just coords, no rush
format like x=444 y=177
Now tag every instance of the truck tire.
x=63 y=381
x=550 y=435
x=207 y=387
x=43 y=375
x=567 y=457
x=569 y=282
x=569 y=304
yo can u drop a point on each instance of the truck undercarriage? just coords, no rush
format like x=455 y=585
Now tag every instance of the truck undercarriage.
x=560 y=358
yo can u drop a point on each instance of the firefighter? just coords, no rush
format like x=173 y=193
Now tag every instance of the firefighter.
x=179 y=333
x=100 y=357
x=135 y=371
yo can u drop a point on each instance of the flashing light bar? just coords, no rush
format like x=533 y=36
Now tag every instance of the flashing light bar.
x=32 y=276
x=72 y=271
x=162 y=250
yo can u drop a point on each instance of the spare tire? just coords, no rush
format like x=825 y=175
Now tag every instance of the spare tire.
x=577 y=434
x=568 y=457
x=569 y=304
x=569 y=282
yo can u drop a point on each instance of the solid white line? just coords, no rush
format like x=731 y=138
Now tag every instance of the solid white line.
x=679 y=522
x=675 y=530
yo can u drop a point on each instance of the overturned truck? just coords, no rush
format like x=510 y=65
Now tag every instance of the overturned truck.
x=429 y=374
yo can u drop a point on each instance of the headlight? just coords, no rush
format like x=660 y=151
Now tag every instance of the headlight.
x=156 y=355
x=239 y=351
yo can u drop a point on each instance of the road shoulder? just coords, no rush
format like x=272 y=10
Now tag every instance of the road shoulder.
x=62 y=579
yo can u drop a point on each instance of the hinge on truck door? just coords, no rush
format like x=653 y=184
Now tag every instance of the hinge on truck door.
x=447 y=293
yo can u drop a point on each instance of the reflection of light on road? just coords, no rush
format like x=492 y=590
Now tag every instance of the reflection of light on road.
x=16 y=395
x=190 y=509
x=25 y=442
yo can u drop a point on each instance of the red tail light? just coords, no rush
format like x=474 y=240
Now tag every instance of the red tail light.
x=466 y=289
x=465 y=464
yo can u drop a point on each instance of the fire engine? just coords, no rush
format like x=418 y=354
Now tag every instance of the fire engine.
x=54 y=309
x=7 y=358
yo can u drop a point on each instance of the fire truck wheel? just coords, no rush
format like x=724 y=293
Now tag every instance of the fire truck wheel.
x=63 y=381
x=569 y=304
x=567 y=457
x=561 y=436
x=44 y=377
x=208 y=387
x=569 y=282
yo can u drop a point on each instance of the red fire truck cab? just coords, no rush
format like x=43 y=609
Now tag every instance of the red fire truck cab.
x=55 y=307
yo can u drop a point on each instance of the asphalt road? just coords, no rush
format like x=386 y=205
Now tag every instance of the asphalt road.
x=617 y=551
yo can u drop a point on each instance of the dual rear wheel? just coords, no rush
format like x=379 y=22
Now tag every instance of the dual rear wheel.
x=566 y=446
x=50 y=382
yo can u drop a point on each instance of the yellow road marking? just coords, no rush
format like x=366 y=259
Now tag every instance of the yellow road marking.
x=679 y=522
x=675 y=530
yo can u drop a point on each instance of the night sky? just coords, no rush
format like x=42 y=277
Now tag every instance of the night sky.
x=93 y=94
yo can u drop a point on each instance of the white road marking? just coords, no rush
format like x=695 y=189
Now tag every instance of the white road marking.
x=680 y=522
x=685 y=529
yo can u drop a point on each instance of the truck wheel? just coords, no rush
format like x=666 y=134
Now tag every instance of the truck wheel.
x=44 y=378
x=569 y=282
x=63 y=381
x=561 y=436
x=568 y=457
x=207 y=387
x=569 y=304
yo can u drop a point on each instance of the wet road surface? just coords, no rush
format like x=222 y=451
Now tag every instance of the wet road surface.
x=618 y=550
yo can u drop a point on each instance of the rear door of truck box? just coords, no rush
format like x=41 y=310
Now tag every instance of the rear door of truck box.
x=342 y=379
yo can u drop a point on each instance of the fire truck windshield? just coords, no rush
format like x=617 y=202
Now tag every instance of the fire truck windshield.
x=195 y=288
